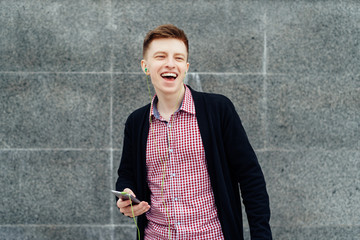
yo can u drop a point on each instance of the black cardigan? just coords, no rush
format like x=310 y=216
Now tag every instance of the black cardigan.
x=230 y=160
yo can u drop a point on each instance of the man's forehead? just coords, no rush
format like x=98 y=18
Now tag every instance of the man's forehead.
x=167 y=44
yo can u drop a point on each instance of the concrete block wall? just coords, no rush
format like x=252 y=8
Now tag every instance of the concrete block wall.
x=70 y=75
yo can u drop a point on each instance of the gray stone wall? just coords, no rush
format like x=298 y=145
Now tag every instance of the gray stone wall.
x=70 y=74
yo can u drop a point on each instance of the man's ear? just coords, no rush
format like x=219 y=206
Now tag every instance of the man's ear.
x=144 y=67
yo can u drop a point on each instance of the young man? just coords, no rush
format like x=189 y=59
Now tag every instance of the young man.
x=185 y=154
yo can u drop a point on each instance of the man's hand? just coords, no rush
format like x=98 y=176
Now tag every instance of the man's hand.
x=125 y=208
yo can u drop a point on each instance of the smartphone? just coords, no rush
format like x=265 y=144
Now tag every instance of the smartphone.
x=126 y=196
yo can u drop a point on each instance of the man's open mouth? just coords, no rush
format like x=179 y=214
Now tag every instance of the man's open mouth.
x=169 y=76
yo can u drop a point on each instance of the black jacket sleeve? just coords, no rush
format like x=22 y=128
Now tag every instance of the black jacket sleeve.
x=245 y=167
x=126 y=170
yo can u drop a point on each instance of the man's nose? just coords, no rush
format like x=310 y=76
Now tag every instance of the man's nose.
x=170 y=62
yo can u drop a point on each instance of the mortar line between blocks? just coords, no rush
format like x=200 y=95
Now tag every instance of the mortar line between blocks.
x=67 y=225
x=111 y=157
x=140 y=73
x=265 y=57
x=58 y=149
x=264 y=111
x=111 y=165
x=265 y=87
x=263 y=149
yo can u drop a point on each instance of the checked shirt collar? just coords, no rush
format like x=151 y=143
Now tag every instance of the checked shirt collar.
x=187 y=105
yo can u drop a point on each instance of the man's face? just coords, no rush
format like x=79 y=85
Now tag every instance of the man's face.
x=166 y=63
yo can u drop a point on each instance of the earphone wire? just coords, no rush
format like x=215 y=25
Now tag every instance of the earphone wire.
x=132 y=211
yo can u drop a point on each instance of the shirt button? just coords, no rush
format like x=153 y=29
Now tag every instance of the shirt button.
x=170 y=150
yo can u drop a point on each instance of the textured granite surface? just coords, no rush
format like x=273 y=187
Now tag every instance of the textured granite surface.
x=70 y=75
x=319 y=111
x=54 y=110
x=305 y=233
x=246 y=93
x=55 y=187
x=313 y=188
x=68 y=232
x=130 y=92
x=55 y=36
x=232 y=32
x=313 y=37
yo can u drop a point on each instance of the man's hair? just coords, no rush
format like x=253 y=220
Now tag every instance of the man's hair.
x=165 y=31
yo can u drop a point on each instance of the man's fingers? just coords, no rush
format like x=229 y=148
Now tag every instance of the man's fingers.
x=141 y=208
x=128 y=190
x=137 y=209
x=122 y=203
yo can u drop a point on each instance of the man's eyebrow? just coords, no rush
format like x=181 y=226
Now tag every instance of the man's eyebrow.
x=164 y=52
x=159 y=52
x=181 y=54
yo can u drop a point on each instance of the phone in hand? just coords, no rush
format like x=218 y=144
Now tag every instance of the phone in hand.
x=126 y=196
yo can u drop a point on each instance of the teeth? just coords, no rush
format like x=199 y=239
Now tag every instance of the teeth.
x=168 y=75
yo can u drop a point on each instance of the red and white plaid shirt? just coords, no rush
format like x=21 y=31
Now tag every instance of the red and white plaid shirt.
x=187 y=191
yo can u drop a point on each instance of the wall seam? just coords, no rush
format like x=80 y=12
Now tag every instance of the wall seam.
x=264 y=111
x=111 y=153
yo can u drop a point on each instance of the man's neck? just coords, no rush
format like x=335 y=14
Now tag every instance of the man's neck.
x=168 y=104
